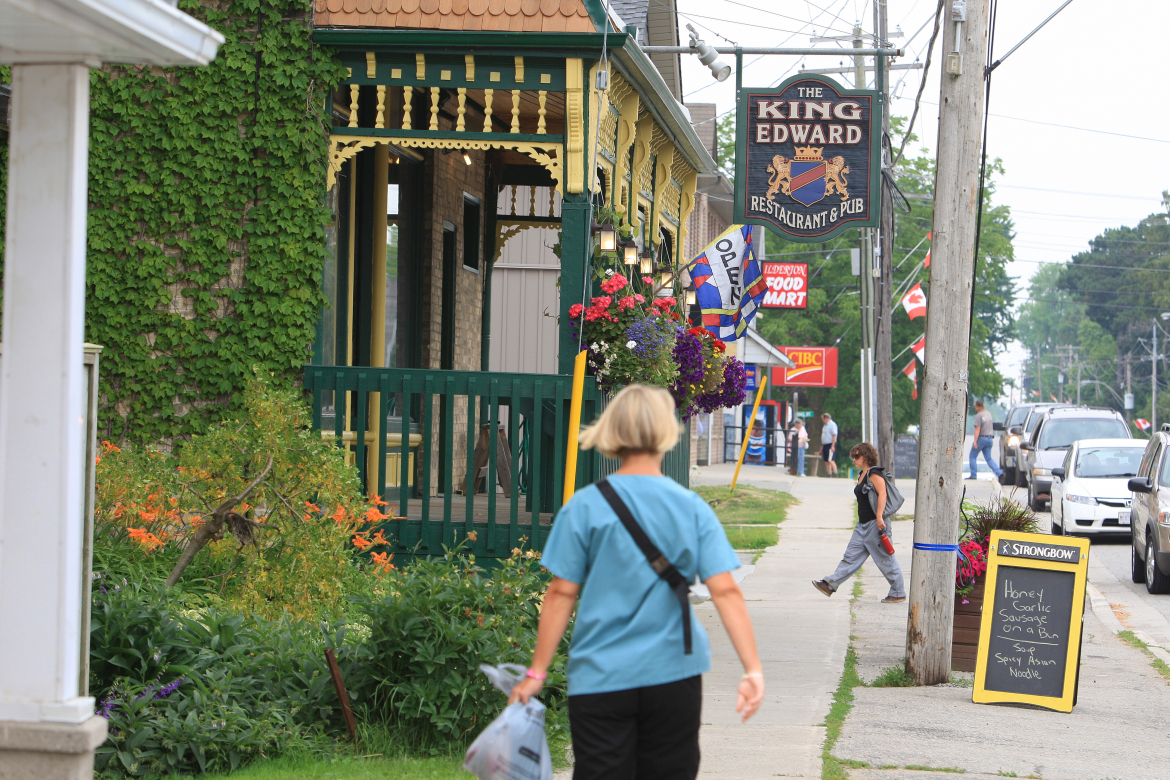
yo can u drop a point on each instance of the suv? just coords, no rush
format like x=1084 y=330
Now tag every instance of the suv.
x=1022 y=432
x=1150 y=515
x=1055 y=432
x=1013 y=426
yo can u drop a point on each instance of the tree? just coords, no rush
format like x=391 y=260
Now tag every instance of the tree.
x=725 y=144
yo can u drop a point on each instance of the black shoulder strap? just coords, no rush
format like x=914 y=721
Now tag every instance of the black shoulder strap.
x=664 y=568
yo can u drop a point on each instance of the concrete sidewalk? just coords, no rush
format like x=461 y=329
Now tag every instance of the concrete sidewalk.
x=1113 y=732
x=802 y=636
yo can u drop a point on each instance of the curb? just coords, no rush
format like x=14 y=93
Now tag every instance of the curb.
x=1104 y=612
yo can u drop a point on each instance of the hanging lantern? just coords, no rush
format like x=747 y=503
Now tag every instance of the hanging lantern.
x=630 y=251
x=647 y=262
x=607 y=237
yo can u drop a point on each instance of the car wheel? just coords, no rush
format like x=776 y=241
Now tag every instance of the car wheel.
x=1137 y=565
x=1156 y=581
x=1058 y=528
x=1034 y=502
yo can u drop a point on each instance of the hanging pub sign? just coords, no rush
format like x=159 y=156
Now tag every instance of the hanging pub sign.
x=1030 y=633
x=807 y=158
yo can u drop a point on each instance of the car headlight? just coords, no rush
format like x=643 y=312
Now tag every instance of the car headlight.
x=1082 y=500
x=1042 y=472
x=1013 y=441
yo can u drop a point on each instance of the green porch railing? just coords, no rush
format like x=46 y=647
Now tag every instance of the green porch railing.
x=457 y=452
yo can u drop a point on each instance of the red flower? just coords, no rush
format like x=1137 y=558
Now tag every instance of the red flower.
x=614 y=283
x=627 y=302
x=647 y=280
x=665 y=303
x=639 y=298
x=575 y=310
x=720 y=346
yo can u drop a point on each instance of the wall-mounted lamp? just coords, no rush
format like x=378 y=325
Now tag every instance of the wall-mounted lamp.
x=467 y=158
x=666 y=280
x=607 y=237
x=691 y=298
x=647 y=262
x=709 y=57
x=630 y=251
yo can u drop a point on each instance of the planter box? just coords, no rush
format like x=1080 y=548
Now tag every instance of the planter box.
x=965 y=637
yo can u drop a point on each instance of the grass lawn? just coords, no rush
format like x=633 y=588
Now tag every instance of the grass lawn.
x=356 y=768
x=752 y=537
x=747 y=505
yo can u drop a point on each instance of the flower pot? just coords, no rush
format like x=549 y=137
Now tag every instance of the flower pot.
x=965 y=633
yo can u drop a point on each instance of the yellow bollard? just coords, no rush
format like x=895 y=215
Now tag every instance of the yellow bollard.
x=747 y=431
x=574 y=425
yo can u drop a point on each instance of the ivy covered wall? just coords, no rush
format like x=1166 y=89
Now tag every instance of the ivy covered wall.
x=207 y=219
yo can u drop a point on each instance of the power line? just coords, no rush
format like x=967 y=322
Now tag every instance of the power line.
x=1067 y=127
x=1073 y=192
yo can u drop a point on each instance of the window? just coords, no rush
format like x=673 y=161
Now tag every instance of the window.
x=471 y=232
x=1057 y=434
x=1147 y=464
x=1101 y=462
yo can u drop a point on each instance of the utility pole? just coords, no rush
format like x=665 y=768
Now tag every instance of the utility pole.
x=868 y=401
x=1154 y=381
x=948 y=339
x=883 y=357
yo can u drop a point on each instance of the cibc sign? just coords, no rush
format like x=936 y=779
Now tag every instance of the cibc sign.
x=807 y=158
x=787 y=285
x=815 y=367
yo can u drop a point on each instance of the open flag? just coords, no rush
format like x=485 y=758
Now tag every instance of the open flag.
x=927 y=263
x=729 y=284
x=920 y=349
x=914 y=301
x=1143 y=424
x=911 y=370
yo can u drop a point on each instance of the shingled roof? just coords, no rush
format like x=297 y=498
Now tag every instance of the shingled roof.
x=513 y=15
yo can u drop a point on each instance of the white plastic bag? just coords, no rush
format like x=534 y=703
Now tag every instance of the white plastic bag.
x=513 y=746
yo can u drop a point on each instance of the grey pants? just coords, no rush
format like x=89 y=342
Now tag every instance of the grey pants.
x=864 y=543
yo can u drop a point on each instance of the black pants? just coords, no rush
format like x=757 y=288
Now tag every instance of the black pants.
x=647 y=733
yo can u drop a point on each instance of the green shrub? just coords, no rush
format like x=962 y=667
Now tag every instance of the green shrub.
x=203 y=691
x=418 y=670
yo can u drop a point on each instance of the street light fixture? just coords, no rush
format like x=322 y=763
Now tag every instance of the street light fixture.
x=709 y=57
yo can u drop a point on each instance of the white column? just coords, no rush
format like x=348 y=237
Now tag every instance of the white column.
x=41 y=381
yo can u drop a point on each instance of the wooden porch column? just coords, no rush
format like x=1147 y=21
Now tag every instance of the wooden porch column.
x=575 y=244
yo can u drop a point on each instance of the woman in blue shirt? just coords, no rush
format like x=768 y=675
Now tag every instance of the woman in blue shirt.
x=635 y=692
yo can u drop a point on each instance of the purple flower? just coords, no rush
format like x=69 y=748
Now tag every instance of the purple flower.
x=688 y=353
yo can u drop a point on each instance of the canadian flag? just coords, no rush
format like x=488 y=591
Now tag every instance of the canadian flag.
x=911 y=370
x=1143 y=424
x=927 y=263
x=915 y=301
x=920 y=349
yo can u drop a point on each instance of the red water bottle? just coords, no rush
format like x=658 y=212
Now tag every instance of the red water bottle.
x=887 y=544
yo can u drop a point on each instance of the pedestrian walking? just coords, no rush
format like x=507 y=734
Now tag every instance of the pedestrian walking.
x=829 y=443
x=982 y=437
x=755 y=450
x=800 y=444
x=638 y=652
x=871 y=492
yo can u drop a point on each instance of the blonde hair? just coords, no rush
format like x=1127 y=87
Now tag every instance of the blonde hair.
x=639 y=418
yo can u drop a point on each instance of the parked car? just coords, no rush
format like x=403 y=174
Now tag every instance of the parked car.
x=1150 y=515
x=1055 y=432
x=1024 y=432
x=1090 y=489
x=1009 y=442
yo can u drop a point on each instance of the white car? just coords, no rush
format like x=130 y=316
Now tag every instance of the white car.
x=1090 y=490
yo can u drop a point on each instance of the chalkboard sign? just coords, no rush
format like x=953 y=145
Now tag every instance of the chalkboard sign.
x=906 y=457
x=1030 y=633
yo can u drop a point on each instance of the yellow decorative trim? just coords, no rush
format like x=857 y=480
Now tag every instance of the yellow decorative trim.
x=353 y=104
x=689 y=182
x=516 y=109
x=461 y=120
x=434 y=109
x=643 y=132
x=598 y=114
x=575 y=124
x=627 y=119
x=540 y=126
x=343 y=147
x=407 y=95
x=661 y=181
x=371 y=65
x=396 y=73
x=469 y=62
x=494 y=76
x=445 y=75
x=519 y=70
x=420 y=66
x=380 y=120
x=487 y=109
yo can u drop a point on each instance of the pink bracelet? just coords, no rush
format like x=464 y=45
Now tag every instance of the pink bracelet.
x=535 y=674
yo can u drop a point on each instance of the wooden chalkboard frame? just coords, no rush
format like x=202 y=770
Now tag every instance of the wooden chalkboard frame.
x=1080 y=572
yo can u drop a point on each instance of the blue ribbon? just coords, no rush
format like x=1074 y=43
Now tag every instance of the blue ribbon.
x=936 y=547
